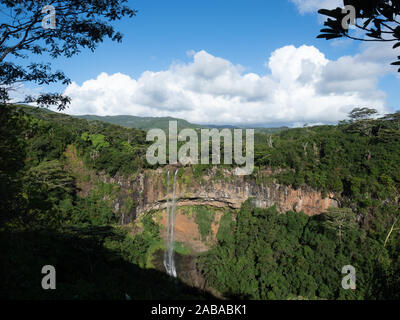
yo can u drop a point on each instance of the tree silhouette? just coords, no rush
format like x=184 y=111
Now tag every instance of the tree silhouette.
x=362 y=113
x=78 y=24
x=377 y=19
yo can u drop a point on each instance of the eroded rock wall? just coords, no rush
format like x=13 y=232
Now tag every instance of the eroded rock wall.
x=216 y=188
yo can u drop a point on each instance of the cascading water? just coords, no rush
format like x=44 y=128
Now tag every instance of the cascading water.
x=169 y=262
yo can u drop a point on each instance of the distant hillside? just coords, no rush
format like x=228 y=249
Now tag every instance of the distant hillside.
x=271 y=130
x=143 y=123
x=147 y=123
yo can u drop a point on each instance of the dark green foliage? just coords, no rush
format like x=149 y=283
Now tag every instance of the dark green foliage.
x=45 y=222
x=377 y=19
x=200 y=170
x=339 y=221
x=357 y=160
x=142 y=123
x=260 y=254
x=113 y=149
x=137 y=249
x=87 y=267
x=22 y=35
x=12 y=156
x=283 y=256
x=226 y=227
x=101 y=145
x=204 y=219
x=362 y=113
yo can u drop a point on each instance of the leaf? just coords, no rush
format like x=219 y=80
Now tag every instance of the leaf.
x=375 y=34
x=396 y=45
x=329 y=36
x=328 y=30
x=326 y=12
x=335 y=13
x=396 y=32
x=397 y=63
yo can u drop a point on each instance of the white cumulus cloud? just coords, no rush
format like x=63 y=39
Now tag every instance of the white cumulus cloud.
x=308 y=6
x=302 y=86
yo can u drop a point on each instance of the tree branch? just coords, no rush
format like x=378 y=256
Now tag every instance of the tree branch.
x=28 y=29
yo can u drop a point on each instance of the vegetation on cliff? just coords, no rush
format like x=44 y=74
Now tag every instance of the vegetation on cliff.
x=259 y=254
x=46 y=220
x=266 y=255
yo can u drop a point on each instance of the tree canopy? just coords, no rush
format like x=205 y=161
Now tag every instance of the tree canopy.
x=362 y=113
x=378 y=20
x=78 y=25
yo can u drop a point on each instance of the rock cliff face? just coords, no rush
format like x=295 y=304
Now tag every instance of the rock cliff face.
x=187 y=230
x=215 y=188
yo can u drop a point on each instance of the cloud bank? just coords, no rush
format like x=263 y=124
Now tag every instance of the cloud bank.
x=303 y=86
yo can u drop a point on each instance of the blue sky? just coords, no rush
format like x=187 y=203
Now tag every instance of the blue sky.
x=170 y=41
x=243 y=32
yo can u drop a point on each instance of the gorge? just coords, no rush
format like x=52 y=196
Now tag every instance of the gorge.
x=319 y=199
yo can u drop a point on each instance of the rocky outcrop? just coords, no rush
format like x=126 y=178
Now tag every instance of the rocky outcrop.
x=215 y=188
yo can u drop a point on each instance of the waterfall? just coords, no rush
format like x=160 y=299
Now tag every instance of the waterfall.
x=169 y=262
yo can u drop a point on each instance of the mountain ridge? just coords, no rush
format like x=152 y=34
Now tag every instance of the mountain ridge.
x=148 y=123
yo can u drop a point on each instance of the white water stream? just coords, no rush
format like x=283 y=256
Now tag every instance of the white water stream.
x=169 y=262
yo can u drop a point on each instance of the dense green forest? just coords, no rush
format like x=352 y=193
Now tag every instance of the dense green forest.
x=45 y=221
x=260 y=254
x=60 y=175
x=263 y=255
